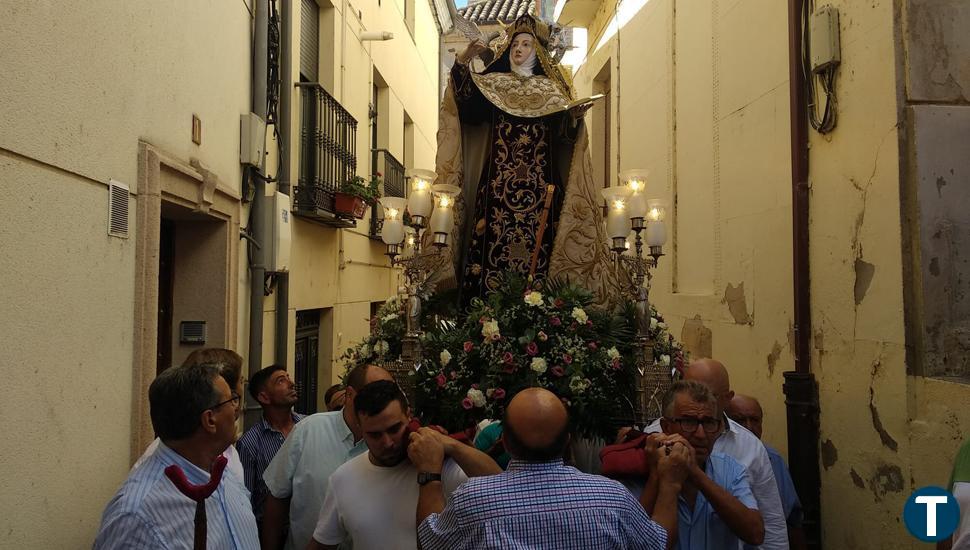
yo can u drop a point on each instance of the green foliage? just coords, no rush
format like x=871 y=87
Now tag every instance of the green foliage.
x=359 y=187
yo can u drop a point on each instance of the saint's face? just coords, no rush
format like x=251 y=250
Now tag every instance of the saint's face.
x=522 y=46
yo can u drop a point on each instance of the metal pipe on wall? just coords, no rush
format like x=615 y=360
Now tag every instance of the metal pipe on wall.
x=800 y=388
x=283 y=131
x=257 y=178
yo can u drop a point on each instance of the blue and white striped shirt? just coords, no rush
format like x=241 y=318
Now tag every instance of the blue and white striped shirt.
x=257 y=447
x=541 y=505
x=149 y=512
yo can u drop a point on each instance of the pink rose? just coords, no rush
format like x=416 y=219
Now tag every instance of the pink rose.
x=475 y=386
x=508 y=358
x=566 y=358
x=509 y=369
x=615 y=364
x=532 y=348
x=543 y=336
x=592 y=346
x=454 y=375
x=589 y=322
x=557 y=371
x=441 y=380
x=558 y=302
x=467 y=404
x=498 y=394
x=496 y=337
x=555 y=321
x=468 y=346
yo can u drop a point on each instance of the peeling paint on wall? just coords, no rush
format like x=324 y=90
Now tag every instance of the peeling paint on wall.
x=830 y=454
x=773 y=358
x=737 y=305
x=696 y=338
x=791 y=338
x=864 y=271
x=887 y=440
x=857 y=479
x=888 y=479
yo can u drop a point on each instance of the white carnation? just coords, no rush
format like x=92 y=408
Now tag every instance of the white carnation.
x=533 y=298
x=580 y=315
x=445 y=357
x=613 y=353
x=381 y=347
x=477 y=397
x=490 y=329
x=538 y=365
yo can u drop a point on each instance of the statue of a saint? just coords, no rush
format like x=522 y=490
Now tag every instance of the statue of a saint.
x=512 y=138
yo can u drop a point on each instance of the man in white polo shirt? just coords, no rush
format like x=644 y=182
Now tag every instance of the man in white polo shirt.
x=372 y=497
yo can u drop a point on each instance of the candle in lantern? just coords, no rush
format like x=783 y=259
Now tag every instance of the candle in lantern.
x=636 y=180
x=444 y=213
x=656 y=224
x=618 y=217
x=419 y=201
x=392 y=231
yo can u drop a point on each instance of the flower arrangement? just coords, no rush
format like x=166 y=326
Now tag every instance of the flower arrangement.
x=517 y=338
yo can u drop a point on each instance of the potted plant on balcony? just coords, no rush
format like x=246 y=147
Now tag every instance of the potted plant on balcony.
x=356 y=194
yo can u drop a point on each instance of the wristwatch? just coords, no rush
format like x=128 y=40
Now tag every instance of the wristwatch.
x=427 y=477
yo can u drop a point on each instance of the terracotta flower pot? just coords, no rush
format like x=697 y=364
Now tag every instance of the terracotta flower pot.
x=349 y=205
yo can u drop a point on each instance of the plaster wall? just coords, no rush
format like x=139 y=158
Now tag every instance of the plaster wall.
x=693 y=106
x=83 y=84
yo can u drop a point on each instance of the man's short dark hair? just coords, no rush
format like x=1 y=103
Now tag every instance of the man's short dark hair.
x=698 y=392
x=376 y=396
x=227 y=361
x=258 y=382
x=357 y=376
x=521 y=451
x=177 y=398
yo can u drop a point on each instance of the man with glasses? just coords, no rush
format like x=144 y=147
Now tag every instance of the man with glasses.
x=193 y=411
x=275 y=392
x=716 y=508
x=744 y=447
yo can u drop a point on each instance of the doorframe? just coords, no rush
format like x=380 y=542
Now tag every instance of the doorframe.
x=202 y=191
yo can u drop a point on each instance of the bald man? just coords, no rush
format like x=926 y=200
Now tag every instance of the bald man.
x=743 y=446
x=746 y=411
x=539 y=502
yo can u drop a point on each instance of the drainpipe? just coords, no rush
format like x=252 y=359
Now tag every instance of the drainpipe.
x=285 y=95
x=257 y=176
x=800 y=388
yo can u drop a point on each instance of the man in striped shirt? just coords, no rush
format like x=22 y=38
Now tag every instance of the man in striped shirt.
x=275 y=392
x=539 y=502
x=193 y=412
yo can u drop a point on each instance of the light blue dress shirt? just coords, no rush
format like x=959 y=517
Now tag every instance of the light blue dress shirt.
x=786 y=488
x=701 y=528
x=301 y=470
x=149 y=512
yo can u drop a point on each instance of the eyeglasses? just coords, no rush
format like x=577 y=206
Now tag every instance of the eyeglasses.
x=689 y=424
x=235 y=400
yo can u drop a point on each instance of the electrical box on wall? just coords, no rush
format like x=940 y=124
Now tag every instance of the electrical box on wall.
x=277 y=220
x=824 y=39
x=252 y=139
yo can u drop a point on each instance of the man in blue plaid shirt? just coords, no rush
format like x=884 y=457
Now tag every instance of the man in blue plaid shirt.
x=539 y=502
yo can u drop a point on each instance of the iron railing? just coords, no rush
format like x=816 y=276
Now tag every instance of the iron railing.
x=392 y=170
x=328 y=152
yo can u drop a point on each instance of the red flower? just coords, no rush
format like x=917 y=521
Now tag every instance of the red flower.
x=509 y=369
x=592 y=346
x=616 y=364
x=454 y=375
x=468 y=347
x=566 y=358
x=475 y=386
x=555 y=321
x=441 y=380
x=498 y=394
x=508 y=358
x=467 y=403
x=557 y=371
x=589 y=322
x=532 y=348
x=558 y=302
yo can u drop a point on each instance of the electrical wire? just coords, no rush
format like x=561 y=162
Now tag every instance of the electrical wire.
x=824 y=77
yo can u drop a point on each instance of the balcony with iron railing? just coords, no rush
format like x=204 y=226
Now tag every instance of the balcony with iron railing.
x=328 y=155
x=392 y=171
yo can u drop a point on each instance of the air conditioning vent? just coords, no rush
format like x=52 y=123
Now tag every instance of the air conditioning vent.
x=118 y=209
